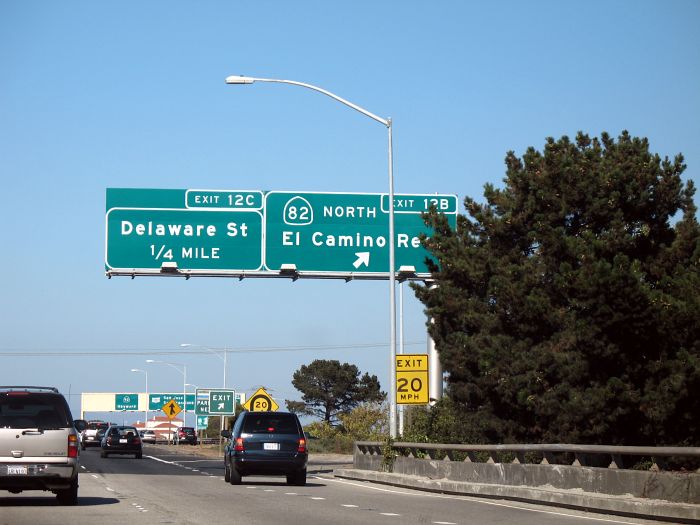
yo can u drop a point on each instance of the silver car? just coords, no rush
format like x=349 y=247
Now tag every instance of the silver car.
x=39 y=444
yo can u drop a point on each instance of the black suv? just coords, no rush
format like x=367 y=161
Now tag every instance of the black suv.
x=38 y=442
x=267 y=443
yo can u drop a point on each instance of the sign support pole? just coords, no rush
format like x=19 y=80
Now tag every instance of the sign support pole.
x=392 y=292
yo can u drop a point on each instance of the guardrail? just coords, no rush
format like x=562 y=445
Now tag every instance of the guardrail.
x=547 y=454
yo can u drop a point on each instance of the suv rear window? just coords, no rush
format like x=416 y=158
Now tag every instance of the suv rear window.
x=35 y=410
x=270 y=423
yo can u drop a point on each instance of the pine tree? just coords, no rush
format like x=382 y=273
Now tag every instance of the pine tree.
x=568 y=306
x=330 y=389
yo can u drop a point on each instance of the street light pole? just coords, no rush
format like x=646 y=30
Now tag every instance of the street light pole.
x=215 y=352
x=145 y=423
x=392 y=266
x=224 y=359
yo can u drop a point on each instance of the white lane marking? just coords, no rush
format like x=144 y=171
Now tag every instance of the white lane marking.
x=350 y=506
x=318 y=498
x=389 y=514
x=204 y=473
x=161 y=460
x=109 y=489
x=269 y=490
x=444 y=523
x=251 y=487
x=95 y=476
x=290 y=493
x=83 y=467
x=472 y=499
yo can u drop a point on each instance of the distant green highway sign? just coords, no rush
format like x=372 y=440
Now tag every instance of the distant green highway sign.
x=245 y=231
x=156 y=401
x=126 y=401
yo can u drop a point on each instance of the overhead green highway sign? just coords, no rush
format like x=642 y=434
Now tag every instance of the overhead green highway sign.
x=190 y=229
x=249 y=233
x=347 y=232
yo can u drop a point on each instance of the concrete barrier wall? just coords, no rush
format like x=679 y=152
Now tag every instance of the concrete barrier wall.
x=668 y=486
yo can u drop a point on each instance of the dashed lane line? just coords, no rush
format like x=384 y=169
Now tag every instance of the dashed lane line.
x=472 y=500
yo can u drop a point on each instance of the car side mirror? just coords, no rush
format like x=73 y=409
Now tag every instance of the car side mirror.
x=80 y=424
x=226 y=434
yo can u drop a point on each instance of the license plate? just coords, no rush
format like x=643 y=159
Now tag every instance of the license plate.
x=122 y=441
x=271 y=446
x=13 y=470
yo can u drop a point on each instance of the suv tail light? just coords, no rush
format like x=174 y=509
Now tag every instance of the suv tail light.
x=238 y=447
x=302 y=445
x=72 y=446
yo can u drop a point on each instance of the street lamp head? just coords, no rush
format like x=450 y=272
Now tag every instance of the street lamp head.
x=150 y=360
x=136 y=370
x=233 y=79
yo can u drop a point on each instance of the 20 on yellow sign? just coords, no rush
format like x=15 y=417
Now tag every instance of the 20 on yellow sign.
x=412 y=386
x=261 y=401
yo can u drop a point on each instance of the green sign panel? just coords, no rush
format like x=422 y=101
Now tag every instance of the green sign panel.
x=126 y=401
x=202 y=422
x=256 y=233
x=222 y=402
x=193 y=229
x=347 y=232
x=156 y=401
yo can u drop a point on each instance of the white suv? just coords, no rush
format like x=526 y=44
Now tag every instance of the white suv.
x=39 y=445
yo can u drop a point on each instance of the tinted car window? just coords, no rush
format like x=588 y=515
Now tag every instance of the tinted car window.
x=270 y=423
x=35 y=411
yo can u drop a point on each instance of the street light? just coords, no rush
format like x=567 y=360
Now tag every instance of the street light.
x=215 y=352
x=184 y=383
x=145 y=423
x=224 y=358
x=392 y=277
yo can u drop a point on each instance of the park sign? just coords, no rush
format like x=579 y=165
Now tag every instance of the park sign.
x=266 y=234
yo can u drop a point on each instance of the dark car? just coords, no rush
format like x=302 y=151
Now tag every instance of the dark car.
x=121 y=440
x=186 y=435
x=266 y=443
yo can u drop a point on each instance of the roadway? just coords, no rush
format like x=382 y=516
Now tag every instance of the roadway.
x=175 y=486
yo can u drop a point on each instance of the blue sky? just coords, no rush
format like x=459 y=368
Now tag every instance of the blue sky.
x=132 y=94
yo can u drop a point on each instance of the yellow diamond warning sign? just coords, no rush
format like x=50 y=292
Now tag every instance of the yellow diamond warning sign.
x=412 y=379
x=261 y=401
x=171 y=409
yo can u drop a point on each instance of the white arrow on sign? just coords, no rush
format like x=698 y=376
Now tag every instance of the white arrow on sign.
x=221 y=406
x=362 y=258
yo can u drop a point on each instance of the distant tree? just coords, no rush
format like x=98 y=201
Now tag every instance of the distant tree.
x=568 y=306
x=329 y=389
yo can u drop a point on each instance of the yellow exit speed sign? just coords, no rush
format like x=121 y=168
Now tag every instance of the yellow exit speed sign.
x=412 y=386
